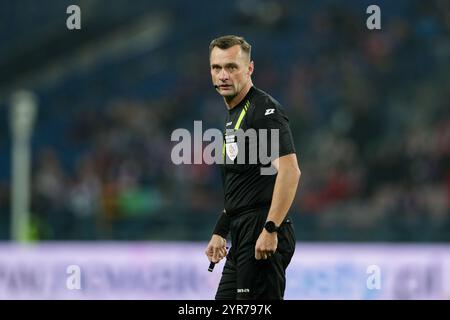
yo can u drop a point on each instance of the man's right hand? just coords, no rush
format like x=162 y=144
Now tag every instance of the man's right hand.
x=216 y=249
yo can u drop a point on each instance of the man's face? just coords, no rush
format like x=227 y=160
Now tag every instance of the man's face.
x=230 y=70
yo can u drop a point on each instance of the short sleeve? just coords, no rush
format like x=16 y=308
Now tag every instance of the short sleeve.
x=269 y=115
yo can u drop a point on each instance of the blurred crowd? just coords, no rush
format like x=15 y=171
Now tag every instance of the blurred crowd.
x=369 y=110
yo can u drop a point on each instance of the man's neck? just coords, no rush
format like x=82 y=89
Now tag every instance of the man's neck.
x=239 y=97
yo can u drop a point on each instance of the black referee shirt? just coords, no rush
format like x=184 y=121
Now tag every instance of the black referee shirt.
x=244 y=186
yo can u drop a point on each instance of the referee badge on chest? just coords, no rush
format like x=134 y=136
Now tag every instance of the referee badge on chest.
x=232 y=150
x=231 y=146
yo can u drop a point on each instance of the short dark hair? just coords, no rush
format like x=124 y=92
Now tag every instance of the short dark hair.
x=229 y=41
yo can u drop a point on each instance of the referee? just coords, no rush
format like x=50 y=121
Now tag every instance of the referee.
x=256 y=205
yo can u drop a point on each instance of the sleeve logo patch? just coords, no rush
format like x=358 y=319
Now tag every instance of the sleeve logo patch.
x=269 y=111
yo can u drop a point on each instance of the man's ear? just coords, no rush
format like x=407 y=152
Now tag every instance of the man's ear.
x=251 y=67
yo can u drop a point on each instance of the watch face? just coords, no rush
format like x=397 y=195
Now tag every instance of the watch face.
x=270 y=226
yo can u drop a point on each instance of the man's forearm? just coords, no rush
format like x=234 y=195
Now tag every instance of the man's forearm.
x=283 y=194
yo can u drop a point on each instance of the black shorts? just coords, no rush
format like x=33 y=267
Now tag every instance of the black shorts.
x=243 y=276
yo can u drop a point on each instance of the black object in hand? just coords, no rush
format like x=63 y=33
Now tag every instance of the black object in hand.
x=212 y=264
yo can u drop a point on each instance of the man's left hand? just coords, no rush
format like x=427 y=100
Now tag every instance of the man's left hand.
x=266 y=245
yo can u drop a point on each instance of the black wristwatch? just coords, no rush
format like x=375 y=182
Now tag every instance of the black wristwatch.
x=271 y=227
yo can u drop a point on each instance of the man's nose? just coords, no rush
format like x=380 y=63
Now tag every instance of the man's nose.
x=223 y=75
